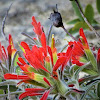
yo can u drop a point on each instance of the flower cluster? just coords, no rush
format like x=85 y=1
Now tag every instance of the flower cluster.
x=42 y=66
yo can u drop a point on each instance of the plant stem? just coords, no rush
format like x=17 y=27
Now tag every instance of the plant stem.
x=85 y=19
x=49 y=34
x=12 y=93
x=3 y=23
x=69 y=33
x=8 y=92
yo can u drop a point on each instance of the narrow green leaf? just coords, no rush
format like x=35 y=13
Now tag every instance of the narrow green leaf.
x=91 y=58
x=88 y=88
x=1 y=91
x=12 y=93
x=93 y=95
x=94 y=22
x=77 y=11
x=76 y=74
x=77 y=26
x=21 y=47
x=12 y=88
x=73 y=21
x=87 y=78
x=14 y=61
x=71 y=70
x=35 y=83
x=8 y=82
x=90 y=71
x=98 y=5
x=98 y=90
x=89 y=13
x=17 y=69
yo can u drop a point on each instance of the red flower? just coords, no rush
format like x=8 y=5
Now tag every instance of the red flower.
x=37 y=27
x=83 y=39
x=78 y=49
x=45 y=95
x=31 y=92
x=43 y=63
x=13 y=76
x=5 y=55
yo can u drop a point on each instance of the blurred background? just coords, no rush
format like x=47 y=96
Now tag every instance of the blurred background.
x=19 y=18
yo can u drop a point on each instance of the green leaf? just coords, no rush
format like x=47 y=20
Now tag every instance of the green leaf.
x=98 y=90
x=89 y=13
x=1 y=91
x=93 y=95
x=8 y=82
x=77 y=26
x=71 y=70
x=17 y=70
x=12 y=88
x=90 y=72
x=21 y=48
x=35 y=83
x=98 y=5
x=73 y=21
x=76 y=74
x=88 y=88
x=95 y=22
x=91 y=58
x=77 y=11
x=87 y=78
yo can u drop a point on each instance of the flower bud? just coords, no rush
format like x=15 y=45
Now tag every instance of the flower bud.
x=56 y=19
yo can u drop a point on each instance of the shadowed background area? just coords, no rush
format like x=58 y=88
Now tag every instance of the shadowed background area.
x=19 y=18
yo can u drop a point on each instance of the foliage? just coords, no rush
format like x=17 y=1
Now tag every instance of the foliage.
x=46 y=74
x=88 y=13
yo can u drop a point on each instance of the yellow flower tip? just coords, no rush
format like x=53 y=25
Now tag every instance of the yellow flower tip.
x=52 y=36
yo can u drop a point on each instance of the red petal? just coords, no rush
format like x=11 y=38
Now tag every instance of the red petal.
x=35 y=63
x=98 y=55
x=43 y=41
x=59 y=62
x=61 y=54
x=47 y=81
x=45 y=95
x=25 y=94
x=5 y=54
x=25 y=68
x=50 y=53
x=25 y=45
x=85 y=43
x=0 y=53
x=11 y=41
x=34 y=20
x=77 y=63
x=19 y=64
x=21 y=60
x=37 y=27
x=16 y=77
x=35 y=89
x=83 y=35
x=9 y=50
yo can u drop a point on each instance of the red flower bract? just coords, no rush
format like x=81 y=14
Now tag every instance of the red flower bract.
x=37 y=27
